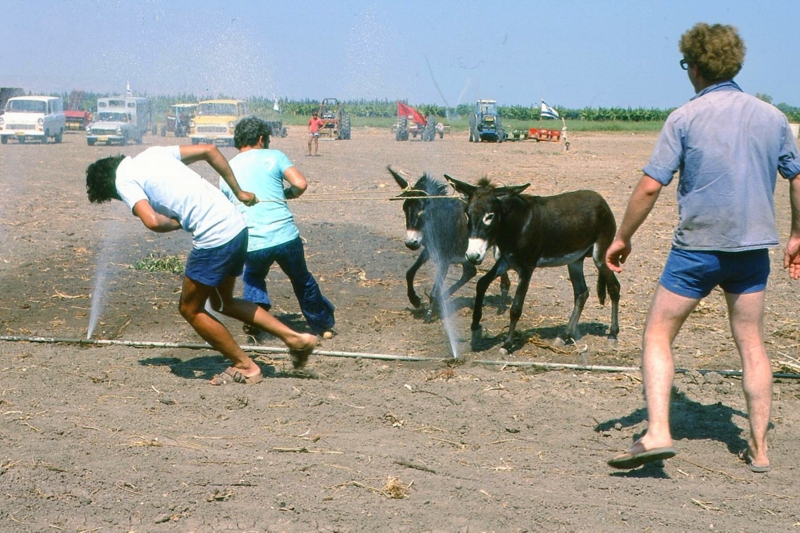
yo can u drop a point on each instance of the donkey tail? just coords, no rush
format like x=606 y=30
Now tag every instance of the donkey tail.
x=601 y=289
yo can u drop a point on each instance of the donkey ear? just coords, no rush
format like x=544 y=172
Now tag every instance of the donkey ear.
x=398 y=178
x=460 y=186
x=510 y=190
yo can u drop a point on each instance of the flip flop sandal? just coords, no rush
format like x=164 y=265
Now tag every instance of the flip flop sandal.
x=744 y=455
x=231 y=375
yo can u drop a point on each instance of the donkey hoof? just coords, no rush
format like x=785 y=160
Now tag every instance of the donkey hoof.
x=477 y=335
x=415 y=301
x=613 y=341
x=558 y=341
x=503 y=351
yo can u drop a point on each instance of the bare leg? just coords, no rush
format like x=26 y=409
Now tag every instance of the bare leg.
x=746 y=314
x=668 y=311
x=223 y=301
x=192 y=308
x=310 y=138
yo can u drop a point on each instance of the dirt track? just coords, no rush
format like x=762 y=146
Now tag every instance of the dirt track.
x=116 y=438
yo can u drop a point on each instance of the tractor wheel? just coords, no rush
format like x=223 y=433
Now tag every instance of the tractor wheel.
x=124 y=141
x=344 y=128
x=4 y=139
x=473 y=129
x=58 y=137
x=163 y=131
x=402 y=129
x=430 y=130
x=155 y=129
x=90 y=142
x=284 y=132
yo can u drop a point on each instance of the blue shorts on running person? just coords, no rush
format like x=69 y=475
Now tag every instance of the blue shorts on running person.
x=694 y=274
x=210 y=266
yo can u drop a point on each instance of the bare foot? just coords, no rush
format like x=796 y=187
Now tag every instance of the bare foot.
x=300 y=350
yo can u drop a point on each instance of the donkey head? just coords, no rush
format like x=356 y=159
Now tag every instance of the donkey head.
x=484 y=213
x=415 y=204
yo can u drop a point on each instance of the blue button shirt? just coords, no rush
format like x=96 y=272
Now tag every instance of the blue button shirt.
x=728 y=148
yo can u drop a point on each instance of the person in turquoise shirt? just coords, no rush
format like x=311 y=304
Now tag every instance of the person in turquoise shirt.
x=273 y=235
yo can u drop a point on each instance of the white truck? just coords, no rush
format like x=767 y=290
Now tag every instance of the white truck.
x=32 y=118
x=120 y=120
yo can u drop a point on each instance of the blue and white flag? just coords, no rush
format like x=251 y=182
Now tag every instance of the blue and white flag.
x=548 y=111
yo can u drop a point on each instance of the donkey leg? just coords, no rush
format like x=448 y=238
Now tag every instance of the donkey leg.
x=477 y=310
x=516 y=308
x=505 y=286
x=435 y=303
x=421 y=260
x=467 y=273
x=581 y=293
x=612 y=283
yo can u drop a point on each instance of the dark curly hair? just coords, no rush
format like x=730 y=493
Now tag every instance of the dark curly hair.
x=100 y=179
x=717 y=50
x=248 y=130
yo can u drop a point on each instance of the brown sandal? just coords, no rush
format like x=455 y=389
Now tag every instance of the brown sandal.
x=232 y=375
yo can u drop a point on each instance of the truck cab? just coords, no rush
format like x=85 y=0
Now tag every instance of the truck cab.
x=215 y=120
x=36 y=118
x=119 y=120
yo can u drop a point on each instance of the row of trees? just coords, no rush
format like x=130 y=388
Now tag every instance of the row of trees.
x=388 y=108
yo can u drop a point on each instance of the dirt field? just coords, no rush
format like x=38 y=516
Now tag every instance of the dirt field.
x=124 y=438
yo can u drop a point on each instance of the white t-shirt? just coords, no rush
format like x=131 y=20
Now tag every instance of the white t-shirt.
x=176 y=191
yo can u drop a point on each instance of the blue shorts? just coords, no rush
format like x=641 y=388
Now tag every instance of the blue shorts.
x=694 y=274
x=210 y=266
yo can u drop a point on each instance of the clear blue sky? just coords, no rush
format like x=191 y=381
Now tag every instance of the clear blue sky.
x=572 y=53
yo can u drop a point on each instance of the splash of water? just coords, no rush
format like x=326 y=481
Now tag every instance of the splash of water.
x=98 y=296
x=446 y=310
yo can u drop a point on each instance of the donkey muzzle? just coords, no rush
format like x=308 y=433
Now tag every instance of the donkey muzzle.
x=476 y=251
x=413 y=239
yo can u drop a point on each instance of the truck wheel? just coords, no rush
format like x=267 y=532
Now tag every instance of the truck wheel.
x=4 y=139
x=155 y=129
x=195 y=141
x=90 y=142
x=164 y=131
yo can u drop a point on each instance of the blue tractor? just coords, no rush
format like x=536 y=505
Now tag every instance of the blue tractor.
x=484 y=124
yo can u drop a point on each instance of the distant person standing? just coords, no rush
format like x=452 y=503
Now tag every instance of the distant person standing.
x=314 y=124
x=274 y=237
x=727 y=148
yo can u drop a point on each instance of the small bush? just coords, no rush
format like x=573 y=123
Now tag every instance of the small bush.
x=159 y=263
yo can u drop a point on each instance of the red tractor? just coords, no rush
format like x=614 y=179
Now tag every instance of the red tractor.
x=337 y=121
x=410 y=121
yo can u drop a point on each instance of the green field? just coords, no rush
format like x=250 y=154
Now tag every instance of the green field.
x=462 y=124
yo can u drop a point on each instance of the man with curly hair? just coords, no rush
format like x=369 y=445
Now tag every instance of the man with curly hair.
x=159 y=188
x=274 y=237
x=728 y=148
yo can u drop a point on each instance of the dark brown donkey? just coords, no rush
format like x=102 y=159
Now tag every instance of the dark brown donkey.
x=438 y=224
x=540 y=231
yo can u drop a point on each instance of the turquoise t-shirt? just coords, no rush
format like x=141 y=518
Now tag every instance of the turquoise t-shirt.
x=269 y=222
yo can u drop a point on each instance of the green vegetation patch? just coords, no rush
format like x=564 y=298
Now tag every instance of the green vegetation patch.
x=160 y=263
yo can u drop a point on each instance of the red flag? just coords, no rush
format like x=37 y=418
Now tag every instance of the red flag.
x=407 y=111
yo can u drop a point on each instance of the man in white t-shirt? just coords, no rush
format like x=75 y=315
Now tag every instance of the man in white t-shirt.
x=166 y=195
